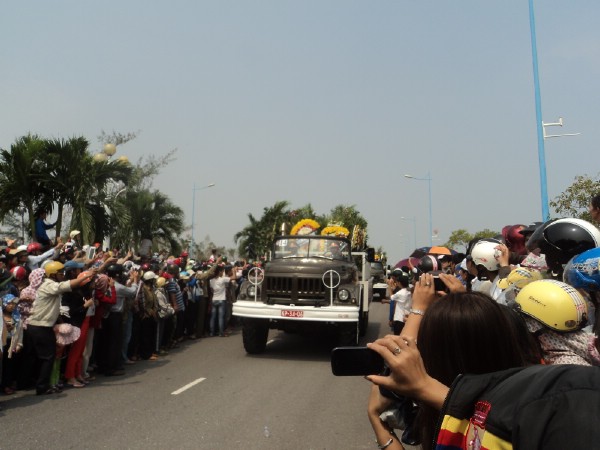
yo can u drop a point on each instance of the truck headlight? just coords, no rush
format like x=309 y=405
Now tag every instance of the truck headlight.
x=344 y=295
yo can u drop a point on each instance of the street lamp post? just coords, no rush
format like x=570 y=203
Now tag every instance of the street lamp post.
x=194 y=189
x=428 y=179
x=414 y=221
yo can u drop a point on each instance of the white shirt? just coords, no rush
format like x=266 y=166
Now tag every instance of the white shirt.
x=403 y=302
x=219 y=287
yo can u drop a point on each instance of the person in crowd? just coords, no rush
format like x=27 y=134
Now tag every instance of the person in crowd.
x=33 y=257
x=219 y=285
x=175 y=297
x=125 y=289
x=43 y=318
x=105 y=296
x=41 y=226
x=12 y=342
x=165 y=313
x=199 y=286
x=400 y=300
x=76 y=304
x=445 y=331
x=149 y=315
x=488 y=259
x=594 y=208
x=555 y=314
x=73 y=241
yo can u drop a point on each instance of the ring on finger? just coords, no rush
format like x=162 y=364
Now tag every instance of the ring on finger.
x=396 y=351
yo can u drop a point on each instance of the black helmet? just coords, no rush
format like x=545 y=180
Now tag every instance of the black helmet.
x=561 y=239
x=115 y=270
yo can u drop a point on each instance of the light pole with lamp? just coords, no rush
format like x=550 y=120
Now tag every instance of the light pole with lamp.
x=194 y=189
x=108 y=151
x=414 y=221
x=428 y=179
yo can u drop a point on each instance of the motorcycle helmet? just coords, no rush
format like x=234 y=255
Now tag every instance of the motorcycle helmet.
x=484 y=253
x=34 y=247
x=53 y=267
x=160 y=282
x=514 y=239
x=115 y=270
x=554 y=304
x=561 y=239
x=19 y=273
x=85 y=274
x=582 y=271
x=519 y=277
x=427 y=263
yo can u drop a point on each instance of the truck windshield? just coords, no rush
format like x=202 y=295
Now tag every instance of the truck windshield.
x=311 y=247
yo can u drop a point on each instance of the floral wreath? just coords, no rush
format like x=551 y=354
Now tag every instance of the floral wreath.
x=335 y=230
x=304 y=227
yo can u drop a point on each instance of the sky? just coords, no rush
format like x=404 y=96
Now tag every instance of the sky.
x=324 y=102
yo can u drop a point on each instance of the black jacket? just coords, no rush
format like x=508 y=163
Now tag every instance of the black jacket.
x=538 y=407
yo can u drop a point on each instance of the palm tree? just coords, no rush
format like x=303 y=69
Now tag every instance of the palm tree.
x=259 y=234
x=23 y=178
x=84 y=184
x=153 y=216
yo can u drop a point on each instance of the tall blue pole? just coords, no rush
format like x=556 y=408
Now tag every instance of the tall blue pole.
x=538 y=117
x=430 y=213
x=193 y=216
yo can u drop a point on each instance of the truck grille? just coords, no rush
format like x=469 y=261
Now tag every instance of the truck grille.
x=286 y=290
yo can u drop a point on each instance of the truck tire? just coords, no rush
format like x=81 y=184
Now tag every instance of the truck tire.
x=348 y=334
x=363 y=324
x=254 y=335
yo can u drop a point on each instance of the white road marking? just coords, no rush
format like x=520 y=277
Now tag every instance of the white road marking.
x=187 y=386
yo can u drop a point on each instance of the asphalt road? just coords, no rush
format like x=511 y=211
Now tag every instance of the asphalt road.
x=208 y=394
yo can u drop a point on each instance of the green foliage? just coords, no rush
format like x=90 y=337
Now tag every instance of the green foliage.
x=459 y=239
x=575 y=200
x=258 y=235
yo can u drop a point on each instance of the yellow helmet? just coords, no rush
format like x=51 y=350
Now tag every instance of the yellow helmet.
x=160 y=282
x=553 y=303
x=53 y=267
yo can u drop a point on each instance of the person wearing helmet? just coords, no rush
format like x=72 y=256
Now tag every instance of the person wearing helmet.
x=485 y=259
x=73 y=241
x=175 y=297
x=561 y=239
x=40 y=330
x=33 y=257
x=555 y=314
x=148 y=317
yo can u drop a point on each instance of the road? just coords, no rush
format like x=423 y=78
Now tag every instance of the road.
x=208 y=394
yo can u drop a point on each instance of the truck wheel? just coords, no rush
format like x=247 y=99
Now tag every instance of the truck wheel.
x=363 y=324
x=254 y=335
x=348 y=334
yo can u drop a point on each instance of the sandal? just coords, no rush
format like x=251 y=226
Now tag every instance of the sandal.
x=153 y=358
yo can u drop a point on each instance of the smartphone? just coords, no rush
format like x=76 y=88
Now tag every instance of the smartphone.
x=91 y=252
x=354 y=361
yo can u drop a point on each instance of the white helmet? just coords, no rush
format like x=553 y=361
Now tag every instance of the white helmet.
x=484 y=253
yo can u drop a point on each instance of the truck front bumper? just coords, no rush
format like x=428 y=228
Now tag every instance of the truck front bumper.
x=257 y=310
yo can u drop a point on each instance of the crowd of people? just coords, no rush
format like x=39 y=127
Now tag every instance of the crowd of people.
x=72 y=312
x=499 y=347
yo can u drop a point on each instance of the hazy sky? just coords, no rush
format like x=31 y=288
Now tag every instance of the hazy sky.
x=317 y=101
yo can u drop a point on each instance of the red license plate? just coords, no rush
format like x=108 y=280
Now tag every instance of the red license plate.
x=291 y=313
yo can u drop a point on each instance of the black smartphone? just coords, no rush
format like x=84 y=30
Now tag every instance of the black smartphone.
x=353 y=361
